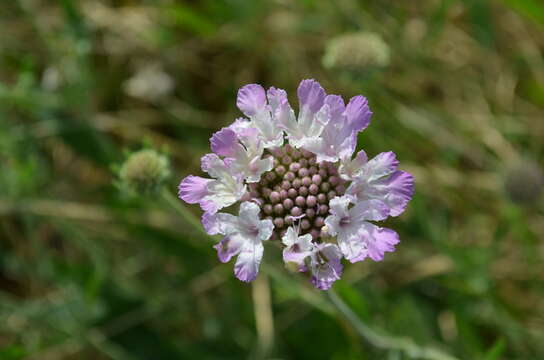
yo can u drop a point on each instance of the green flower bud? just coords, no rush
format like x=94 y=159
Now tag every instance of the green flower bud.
x=356 y=50
x=144 y=172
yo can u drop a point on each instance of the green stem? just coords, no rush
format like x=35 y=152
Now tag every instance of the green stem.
x=183 y=211
x=383 y=341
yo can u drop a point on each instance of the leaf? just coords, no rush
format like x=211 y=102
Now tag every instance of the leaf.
x=531 y=9
x=496 y=350
x=12 y=352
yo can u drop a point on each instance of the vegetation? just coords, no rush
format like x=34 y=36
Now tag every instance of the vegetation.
x=89 y=270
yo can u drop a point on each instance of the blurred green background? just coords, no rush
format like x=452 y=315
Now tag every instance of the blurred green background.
x=89 y=272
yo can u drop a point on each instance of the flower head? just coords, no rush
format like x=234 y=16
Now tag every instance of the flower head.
x=144 y=172
x=297 y=183
x=244 y=235
x=357 y=51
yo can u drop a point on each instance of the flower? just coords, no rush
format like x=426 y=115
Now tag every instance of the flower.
x=297 y=181
x=244 y=235
x=144 y=172
x=213 y=194
x=379 y=179
x=358 y=50
x=356 y=236
x=324 y=259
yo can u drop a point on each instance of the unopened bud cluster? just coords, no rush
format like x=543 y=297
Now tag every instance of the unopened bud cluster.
x=296 y=191
x=144 y=172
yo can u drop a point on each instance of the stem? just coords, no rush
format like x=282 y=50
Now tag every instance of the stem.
x=182 y=210
x=264 y=319
x=404 y=344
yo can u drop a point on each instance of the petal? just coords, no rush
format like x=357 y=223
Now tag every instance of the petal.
x=251 y=99
x=310 y=95
x=338 y=207
x=210 y=223
x=395 y=191
x=358 y=113
x=347 y=147
x=337 y=106
x=227 y=224
x=290 y=238
x=213 y=165
x=375 y=210
x=239 y=125
x=251 y=226
x=381 y=165
x=379 y=241
x=247 y=134
x=257 y=167
x=331 y=141
x=228 y=247
x=224 y=142
x=277 y=98
x=193 y=189
x=249 y=213
x=325 y=274
x=223 y=193
x=281 y=110
x=350 y=168
x=295 y=256
x=401 y=190
x=353 y=248
x=249 y=259
x=252 y=102
x=298 y=247
x=320 y=148
x=322 y=118
x=266 y=227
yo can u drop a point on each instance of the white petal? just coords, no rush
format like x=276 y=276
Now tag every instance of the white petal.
x=381 y=165
x=290 y=237
x=248 y=262
x=350 y=168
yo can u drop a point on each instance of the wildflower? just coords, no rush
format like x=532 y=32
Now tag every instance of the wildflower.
x=379 y=179
x=144 y=172
x=213 y=194
x=356 y=236
x=356 y=51
x=297 y=181
x=324 y=258
x=243 y=237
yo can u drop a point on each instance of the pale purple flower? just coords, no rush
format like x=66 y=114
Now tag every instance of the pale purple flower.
x=379 y=179
x=252 y=102
x=244 y=235
x=213 y=194
x=356 y=236
x=297 y=248
x=323 y=259
x=339 y=137
x=325 y=265
x=313 y=115
x=310 y=193
x=243 y=152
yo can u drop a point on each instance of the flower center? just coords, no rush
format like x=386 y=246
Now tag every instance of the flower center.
x=297 y=190
x=345 y=221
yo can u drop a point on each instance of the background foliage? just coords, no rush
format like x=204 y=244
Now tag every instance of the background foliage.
x=87 y=272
